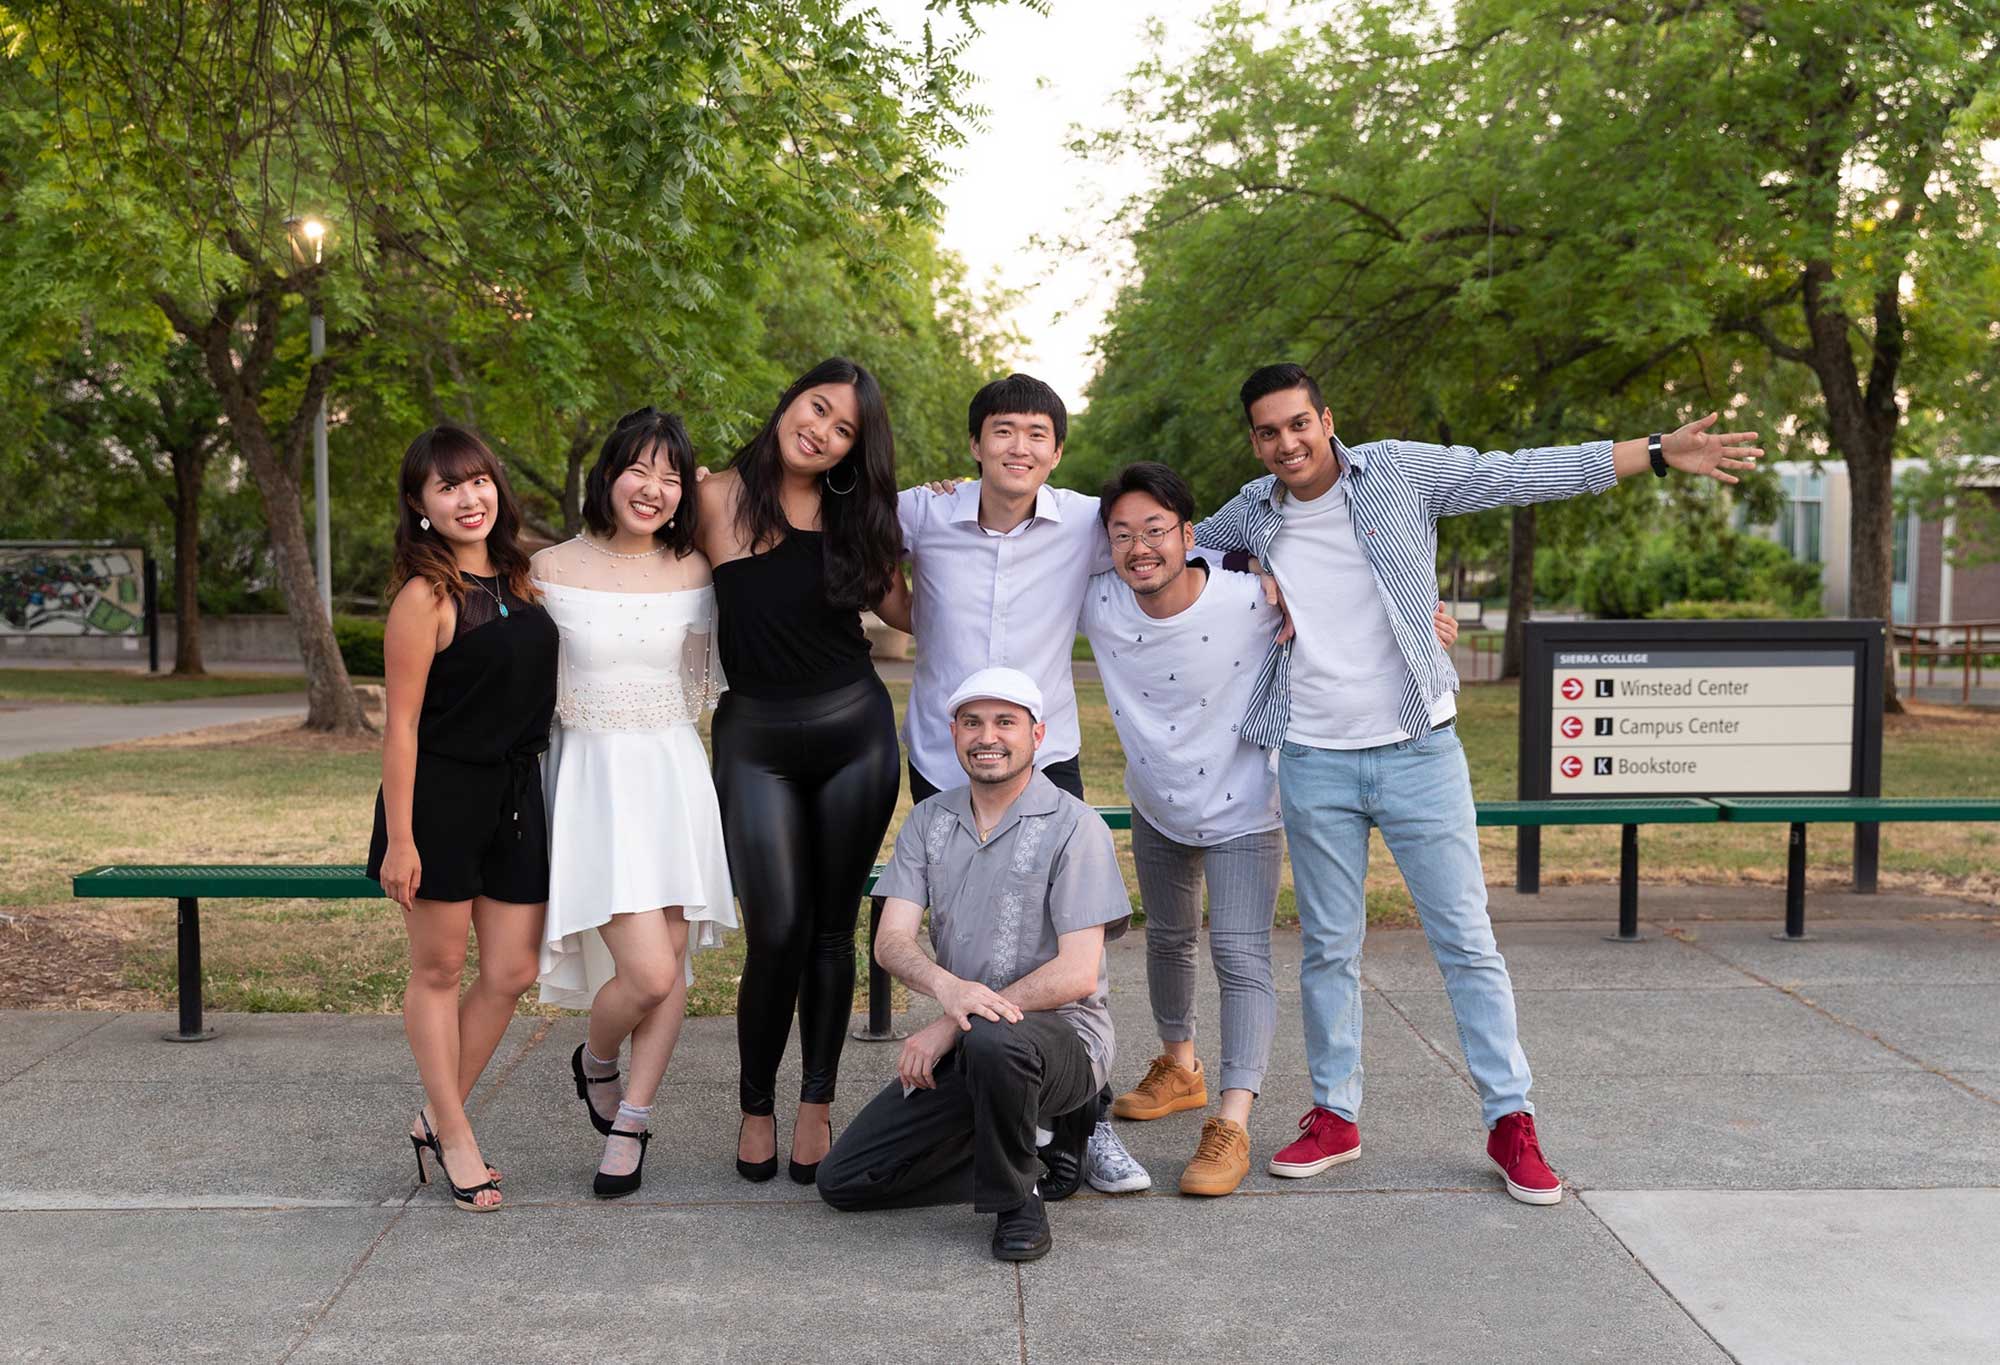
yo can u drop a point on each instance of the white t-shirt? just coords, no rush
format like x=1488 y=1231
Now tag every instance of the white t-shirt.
x=1347 y=674
x=1179 y=688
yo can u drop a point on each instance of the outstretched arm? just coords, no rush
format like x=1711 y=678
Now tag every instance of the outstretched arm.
x=1459 y=479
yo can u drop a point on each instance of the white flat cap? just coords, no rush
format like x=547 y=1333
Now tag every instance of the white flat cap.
x=998 y=684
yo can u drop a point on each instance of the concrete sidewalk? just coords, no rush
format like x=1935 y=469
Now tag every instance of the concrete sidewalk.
x=35 y=729
x=1776 y=1152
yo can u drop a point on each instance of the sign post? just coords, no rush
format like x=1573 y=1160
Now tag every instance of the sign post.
x=1702 y=709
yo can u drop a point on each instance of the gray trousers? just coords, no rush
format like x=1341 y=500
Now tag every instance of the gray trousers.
x=1242 y=876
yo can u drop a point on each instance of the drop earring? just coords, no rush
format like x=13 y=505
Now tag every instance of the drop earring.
x=424 y=522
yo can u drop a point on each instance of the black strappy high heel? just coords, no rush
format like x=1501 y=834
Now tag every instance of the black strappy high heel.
x=583 y=1084
x=465 y=1198
x=800 y=1172
x=759 y=1171
x=617 y=1186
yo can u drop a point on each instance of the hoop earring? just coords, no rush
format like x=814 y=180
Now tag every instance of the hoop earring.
x=424 y=522
x=853 y=482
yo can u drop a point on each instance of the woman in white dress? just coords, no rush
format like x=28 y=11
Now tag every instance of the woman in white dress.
x=636 y=858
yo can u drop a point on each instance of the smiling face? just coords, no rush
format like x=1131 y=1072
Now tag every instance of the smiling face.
x=645 y=496
x=461 y=510
x=818 y=428
x=995 y=740
x=1147 y=568
x=1294 y=442
x=1016 y=452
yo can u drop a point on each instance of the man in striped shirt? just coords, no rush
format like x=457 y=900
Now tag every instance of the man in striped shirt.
x=1360 y=703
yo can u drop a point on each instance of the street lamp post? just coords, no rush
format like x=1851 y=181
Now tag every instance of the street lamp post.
x=314 y=232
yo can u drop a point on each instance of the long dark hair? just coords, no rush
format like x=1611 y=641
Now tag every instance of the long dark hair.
x=455 y=455
x=637 y=433
x=863 y=541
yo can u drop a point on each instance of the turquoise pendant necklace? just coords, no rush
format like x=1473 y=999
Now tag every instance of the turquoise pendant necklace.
x=498 y=600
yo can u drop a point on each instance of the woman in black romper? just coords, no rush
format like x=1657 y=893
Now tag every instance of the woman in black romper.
x=460 y=838
x=802 y=532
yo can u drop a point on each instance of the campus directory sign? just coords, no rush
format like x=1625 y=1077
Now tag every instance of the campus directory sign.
x=1700 y=708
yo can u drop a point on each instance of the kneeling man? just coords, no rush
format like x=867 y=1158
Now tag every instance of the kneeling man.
x=1023 y=888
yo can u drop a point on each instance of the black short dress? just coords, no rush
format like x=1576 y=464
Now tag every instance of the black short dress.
x=477 y=812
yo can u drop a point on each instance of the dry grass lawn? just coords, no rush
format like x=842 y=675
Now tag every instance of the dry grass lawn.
x=264 y=792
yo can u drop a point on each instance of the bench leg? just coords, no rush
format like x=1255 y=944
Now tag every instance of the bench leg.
x=1795 y=888
x=1628 y=887
x=1867 y=853
x=188 y=953
x=881 y=1026
x=1528 y=860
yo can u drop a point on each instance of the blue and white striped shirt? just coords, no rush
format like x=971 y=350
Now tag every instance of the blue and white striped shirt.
x=1398 y=490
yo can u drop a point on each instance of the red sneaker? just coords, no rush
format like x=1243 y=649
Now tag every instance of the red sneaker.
x=1515 y=1153
x=1328 y=1140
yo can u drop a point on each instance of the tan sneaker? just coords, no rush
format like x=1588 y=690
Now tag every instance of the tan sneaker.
x=1221 y=1159
x=1168 y=1088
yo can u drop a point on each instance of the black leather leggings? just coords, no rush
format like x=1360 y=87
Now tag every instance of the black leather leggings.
x=807 y=787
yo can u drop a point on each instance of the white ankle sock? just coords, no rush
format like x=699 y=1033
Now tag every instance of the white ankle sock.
x=621 y=1154
x=594 y=1065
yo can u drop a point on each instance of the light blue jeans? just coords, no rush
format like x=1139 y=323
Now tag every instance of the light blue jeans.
x=1419 y=794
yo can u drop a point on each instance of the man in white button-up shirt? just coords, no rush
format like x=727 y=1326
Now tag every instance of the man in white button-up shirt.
x=1000 y=566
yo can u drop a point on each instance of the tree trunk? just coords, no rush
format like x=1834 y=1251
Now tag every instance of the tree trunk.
x=331 y=704
x=188 y=466
x=1871 y=531
x=1520 y=589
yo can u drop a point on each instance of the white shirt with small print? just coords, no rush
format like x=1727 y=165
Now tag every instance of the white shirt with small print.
x=1179 y=687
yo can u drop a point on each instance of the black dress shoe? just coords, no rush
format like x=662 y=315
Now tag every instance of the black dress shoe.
x=1063 y=1158
x=806 y=1172
x=618 y=1186
x=1022 y=1234
x=758 y=1171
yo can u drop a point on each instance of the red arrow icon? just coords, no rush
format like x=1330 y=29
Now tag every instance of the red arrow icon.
x=1571 y=766
x=1572 y=726
x=1572 y=688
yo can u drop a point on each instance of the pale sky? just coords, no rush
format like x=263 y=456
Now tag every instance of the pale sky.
x=1040 y=76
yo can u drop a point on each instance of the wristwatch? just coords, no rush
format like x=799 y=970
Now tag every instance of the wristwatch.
x=1656 y=454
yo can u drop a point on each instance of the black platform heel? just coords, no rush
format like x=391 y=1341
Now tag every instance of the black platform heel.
x=465 y=1198
x=617 y=1186
x=583 y=1084
x=759 y=1171
x=430 y=1140
x=799 y=1171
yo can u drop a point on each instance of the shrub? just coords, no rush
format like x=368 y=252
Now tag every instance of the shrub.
x=1694 y=610
x=360 y=641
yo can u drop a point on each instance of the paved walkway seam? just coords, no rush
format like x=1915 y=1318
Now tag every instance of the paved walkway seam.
x=1793 y=993
x=1637 y=1260
x=108 y=1020
x=312 y=1324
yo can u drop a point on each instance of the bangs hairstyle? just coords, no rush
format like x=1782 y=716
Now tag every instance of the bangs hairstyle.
x=1017 y=393
x=1277 y=378
x=637 y=435
x=454 y=455
x=1156 y=481
x=863 y=542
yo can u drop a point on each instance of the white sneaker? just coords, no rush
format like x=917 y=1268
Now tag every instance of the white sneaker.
x=1109 y=1167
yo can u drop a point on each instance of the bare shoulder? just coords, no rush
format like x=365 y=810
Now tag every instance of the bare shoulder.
x=416 y=600
x=721 y=494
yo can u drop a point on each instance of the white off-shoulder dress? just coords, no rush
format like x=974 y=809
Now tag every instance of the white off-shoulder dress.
x=633 y=820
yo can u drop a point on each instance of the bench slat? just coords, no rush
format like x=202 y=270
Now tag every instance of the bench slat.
x=1638 y=810
x=347 y=881
x=1864 y=810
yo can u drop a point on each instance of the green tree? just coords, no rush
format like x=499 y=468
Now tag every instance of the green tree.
x=1551 y=218
x=496 y=177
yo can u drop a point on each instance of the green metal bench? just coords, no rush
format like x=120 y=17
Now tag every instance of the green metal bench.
x=1629 y=812
x=188 y=884
x=1800 y=811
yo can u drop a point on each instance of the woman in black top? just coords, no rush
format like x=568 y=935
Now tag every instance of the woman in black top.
x=460 y=839
x=802 y=531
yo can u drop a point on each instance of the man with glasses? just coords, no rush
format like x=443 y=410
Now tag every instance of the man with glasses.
x=1179 y=648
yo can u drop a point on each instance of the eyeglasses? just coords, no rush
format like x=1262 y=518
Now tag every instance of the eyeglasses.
x=1152 y=537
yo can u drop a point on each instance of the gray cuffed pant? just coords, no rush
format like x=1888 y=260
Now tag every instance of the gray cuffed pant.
x=1242 y=876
